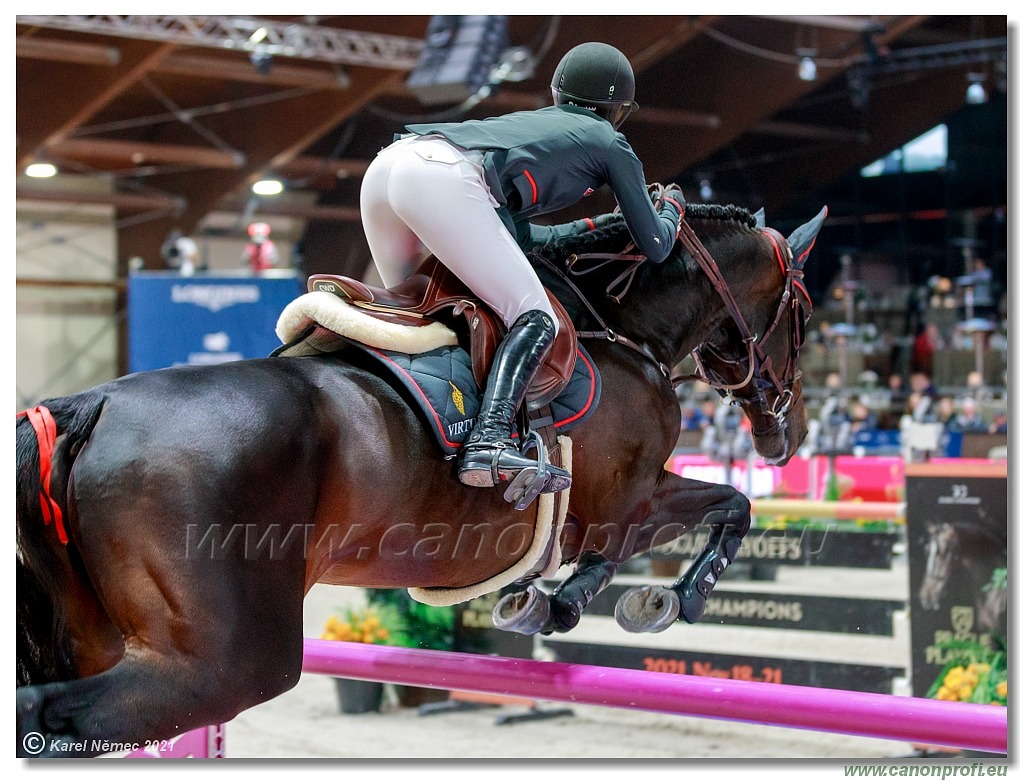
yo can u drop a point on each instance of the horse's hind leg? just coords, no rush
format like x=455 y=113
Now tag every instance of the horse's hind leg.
x=206 y=637
x=144 y=698
x=153 y=695
x=681 y=504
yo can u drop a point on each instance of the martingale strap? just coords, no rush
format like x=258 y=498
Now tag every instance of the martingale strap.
x=46 y=435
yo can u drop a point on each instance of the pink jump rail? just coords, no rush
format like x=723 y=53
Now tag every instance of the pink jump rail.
x=897 y=718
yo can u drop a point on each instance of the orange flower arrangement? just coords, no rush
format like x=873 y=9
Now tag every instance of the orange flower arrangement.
x=372 y=625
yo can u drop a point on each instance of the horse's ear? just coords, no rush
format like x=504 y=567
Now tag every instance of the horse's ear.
x=802 y=239
x=759 y=217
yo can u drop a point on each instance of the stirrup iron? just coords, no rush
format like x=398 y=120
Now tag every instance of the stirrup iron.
x=533 y=481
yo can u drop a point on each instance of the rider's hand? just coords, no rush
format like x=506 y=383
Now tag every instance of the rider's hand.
x=612 y=218
x=674 y=195
x=656 y=191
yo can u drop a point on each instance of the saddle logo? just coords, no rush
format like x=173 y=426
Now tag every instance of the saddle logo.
x=215 y=297
x=588 y=191
x=458 y=399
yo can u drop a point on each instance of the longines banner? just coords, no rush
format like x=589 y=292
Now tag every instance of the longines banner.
x=956 y=533
x=208 y=319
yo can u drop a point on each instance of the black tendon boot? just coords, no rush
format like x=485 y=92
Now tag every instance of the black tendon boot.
x=489 y=456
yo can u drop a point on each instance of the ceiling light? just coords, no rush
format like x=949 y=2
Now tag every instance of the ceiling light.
x=267 y=187
x=976 y=92
x=259 y=35
x=807 y=70
x=41 y=170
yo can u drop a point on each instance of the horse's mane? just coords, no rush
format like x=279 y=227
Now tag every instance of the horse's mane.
x=591 y=240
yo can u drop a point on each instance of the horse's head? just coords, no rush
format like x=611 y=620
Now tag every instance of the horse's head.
x=754 y=361
x=747 y=349
x=941 y=545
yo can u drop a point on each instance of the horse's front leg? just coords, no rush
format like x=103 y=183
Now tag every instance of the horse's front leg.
x=531 y=611
x=681 y=504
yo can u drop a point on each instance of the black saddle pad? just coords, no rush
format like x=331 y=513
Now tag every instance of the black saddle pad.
x=442 y=384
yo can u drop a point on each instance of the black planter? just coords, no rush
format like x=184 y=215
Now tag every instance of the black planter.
x=359 y=697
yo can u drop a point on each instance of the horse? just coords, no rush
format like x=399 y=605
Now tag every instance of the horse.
x=170 y=522
x=963 y=554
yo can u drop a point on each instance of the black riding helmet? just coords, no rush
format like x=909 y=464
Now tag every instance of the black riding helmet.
x=598 y=77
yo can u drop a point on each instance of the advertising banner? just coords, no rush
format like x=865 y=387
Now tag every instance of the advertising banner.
x=956 y=537
x=209 y=319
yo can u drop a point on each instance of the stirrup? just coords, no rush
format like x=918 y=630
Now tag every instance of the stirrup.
x=533 y=481
x=528 y=479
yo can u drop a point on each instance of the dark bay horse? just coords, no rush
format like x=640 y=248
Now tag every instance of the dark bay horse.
x=167 y=539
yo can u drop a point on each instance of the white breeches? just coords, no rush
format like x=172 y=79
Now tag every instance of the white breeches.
x=425 y=190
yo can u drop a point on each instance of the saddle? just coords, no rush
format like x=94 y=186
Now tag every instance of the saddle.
x=432 y=294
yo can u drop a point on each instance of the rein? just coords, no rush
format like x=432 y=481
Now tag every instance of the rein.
x=625 y=279
x=759 y=365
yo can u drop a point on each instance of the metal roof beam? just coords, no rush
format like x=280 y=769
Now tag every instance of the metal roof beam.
x=248 y=34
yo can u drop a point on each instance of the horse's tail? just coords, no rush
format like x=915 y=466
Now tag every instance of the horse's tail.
x=44 y=653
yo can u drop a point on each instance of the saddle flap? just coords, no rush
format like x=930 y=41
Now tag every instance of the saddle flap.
x=558 y=367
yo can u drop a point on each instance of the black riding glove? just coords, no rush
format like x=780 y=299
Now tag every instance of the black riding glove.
x=672 y=206
x=673 y=195
x=612 y=218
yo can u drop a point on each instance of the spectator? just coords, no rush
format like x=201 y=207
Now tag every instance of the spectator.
x=261 y=252
x=921 y=382
x=969 y=418
x=897 y=402
x=693 y=418
x=922 y=357
x=976 y=388
x=998 y=425
x=919 y=407
x=944 y=411
x=861 y=418
x=979 y=291
x=180 y=253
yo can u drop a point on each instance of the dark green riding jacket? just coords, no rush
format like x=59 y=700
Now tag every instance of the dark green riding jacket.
x=549 y=159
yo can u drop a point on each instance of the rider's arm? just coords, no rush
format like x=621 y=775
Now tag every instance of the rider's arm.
x=654 y=231
x=544 y=234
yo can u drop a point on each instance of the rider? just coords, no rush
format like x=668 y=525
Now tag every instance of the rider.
x=467 y=191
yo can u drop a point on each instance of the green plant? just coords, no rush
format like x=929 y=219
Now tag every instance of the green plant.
x=426 y=627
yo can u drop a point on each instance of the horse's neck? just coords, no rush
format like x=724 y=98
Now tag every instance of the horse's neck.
x=670 y=307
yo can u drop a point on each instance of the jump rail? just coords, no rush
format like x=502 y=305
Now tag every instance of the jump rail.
x=898 y=718
x=819 y=509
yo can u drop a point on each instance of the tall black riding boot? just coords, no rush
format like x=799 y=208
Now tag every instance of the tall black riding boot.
x=489 y=455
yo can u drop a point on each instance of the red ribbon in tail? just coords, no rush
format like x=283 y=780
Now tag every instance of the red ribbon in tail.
x=46 y=434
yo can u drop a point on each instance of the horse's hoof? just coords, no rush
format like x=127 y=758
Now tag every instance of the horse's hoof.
x=527 y=612
x=648 y=609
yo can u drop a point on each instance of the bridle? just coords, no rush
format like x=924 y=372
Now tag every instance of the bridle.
x=756 y=367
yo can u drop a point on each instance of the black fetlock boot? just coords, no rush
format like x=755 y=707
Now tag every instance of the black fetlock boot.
x=489 y=455
x=695 y=586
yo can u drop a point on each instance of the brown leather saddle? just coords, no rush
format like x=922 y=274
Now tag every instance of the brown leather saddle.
x=434 y=293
